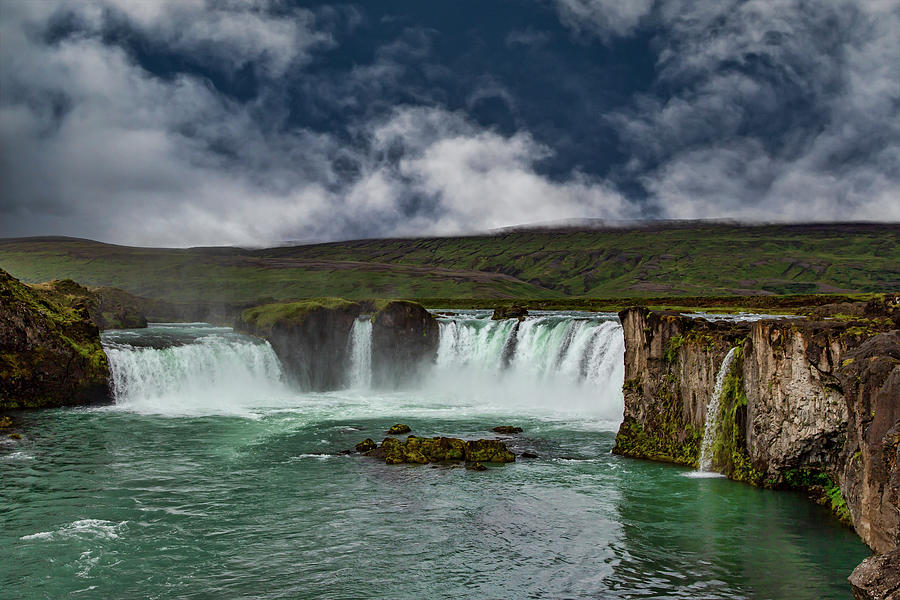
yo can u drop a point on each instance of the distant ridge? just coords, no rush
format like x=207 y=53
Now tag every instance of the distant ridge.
x=583 y=258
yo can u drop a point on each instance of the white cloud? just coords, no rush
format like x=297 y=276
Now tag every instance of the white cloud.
x=603 y=18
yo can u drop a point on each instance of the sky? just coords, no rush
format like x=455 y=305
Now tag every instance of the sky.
x=256 y=122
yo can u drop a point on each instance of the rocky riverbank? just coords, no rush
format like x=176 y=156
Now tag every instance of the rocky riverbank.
x=805 y=404
x=50 y=354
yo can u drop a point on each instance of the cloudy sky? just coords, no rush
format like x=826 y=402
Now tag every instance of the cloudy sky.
x=184 y=122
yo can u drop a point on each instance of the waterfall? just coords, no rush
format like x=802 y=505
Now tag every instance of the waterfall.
x=712 y=413
x=209 y=370
x=360 y=370
x=571 y=362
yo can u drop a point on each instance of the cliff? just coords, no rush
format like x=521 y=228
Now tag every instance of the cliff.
x=311 y=338
x=108 y=308
x=50 y=354
x=405 y=336
x=805 y=404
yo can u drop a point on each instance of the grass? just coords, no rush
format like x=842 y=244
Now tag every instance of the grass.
x=572 y=267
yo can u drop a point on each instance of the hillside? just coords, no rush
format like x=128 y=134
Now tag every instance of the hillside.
x=680 y=259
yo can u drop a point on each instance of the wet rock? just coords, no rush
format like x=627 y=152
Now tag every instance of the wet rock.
x=309 y=337
x=509 y=312
x=366 y=445
x=416 y=450
x=529 y=455
x=405 y=338
x=398 y=429
x=476 y=466
x=877 y=577
x=507 y=429
x=15 y=436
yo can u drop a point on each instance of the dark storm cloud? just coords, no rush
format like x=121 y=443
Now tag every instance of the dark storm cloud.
x=187 y=122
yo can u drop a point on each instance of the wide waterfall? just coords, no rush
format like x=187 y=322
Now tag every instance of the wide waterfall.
x=710 y=428
x=564 y=363
x=190 y=368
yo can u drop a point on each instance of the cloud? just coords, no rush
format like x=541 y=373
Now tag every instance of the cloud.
x=125 y=156
x=785 y=110
x=603 y=18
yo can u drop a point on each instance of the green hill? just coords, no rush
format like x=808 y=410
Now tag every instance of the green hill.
x=669 y=259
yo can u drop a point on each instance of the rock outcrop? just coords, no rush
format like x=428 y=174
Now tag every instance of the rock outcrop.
x=50 y=355
x=416 y=450
x=512 y=311
x=805 y=404
x=877 y=577
x=405 y=337
x=309 y=337
x=109 y=308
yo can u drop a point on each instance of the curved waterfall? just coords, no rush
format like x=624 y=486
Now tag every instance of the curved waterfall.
x=569 y=363
x=190 y=367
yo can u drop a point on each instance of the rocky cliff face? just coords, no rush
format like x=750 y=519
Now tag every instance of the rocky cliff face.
x=806 y=404
x=311 y=338
x=405 y=337
x=108 y=308
x=50 y=355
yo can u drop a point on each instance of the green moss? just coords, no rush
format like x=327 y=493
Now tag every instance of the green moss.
x=729 y=449
x=821 y=486
x=263 y=318
x=672 y=347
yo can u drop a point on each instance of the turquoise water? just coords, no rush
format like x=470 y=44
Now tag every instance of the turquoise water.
x=159 y=497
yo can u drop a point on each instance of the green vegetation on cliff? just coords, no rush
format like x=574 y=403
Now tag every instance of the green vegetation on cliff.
x=263 y=318
x=688 y=259
x=50 y=354
x=729 y=452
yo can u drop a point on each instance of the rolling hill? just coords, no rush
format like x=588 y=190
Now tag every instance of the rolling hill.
x=666 y=259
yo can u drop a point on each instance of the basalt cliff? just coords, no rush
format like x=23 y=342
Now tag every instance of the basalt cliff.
x=810 y=404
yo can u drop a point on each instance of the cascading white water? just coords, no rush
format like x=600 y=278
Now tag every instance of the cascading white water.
x=360 y=371
x=712 y=414
x=571 y=363
x=215 y=372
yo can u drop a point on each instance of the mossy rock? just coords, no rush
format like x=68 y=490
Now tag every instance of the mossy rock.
x=398 y=429
x=507 y=429
x=514 y=311
x=416 y=450
x=366 y=445
x=50 y=354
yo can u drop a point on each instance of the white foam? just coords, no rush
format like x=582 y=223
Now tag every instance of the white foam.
x=85 y=528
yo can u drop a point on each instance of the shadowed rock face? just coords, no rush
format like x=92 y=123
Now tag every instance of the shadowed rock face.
x=50 y=355
x=405 y=337
x=870 y=475
x=309 y=338
x=109 y=308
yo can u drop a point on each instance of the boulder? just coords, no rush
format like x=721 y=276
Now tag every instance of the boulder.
x=398 y=429
x=366 y=445
x=509 y=312
x=507 y=429
x=877 y=577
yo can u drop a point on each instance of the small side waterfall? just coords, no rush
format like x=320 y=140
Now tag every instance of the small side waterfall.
x=359 y=375
x=712 y=414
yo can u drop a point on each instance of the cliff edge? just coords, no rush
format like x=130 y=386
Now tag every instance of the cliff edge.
x=50 y=355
